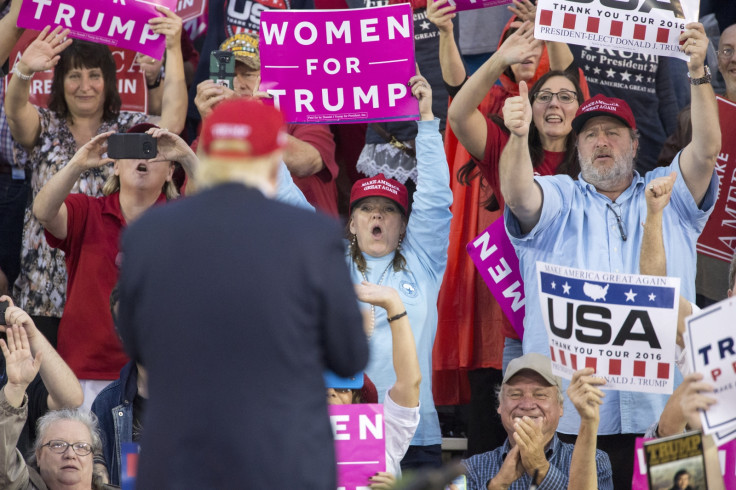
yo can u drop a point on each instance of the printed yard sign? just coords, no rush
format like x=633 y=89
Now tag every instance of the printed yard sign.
x=719 y=235
x=327 y=66
x=477 y=4
x=119 y=23
x=190 y=9
x=131 y=81
x=710 y=343
x=360 y=444
x=622 y=325
x=642 y=26
x=495 y=258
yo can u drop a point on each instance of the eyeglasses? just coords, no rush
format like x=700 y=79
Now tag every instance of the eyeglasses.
x=60 y=447
x=564 y=96
x=726 y=53
x=619 y=221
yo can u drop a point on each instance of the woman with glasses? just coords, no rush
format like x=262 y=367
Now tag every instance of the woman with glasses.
x=63 y=452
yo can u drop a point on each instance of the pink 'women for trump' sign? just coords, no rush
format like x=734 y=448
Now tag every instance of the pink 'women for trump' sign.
x=326 y=66
x=119 y=23
x=360 y=443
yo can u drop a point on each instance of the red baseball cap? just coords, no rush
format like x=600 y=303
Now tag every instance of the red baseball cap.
x=382 y=187
x=603 y=106
x=241 y=127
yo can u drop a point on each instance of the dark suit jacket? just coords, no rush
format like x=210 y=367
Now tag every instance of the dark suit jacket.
x=236 y=304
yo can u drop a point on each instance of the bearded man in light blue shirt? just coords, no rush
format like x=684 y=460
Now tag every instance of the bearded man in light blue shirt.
x=595 y=222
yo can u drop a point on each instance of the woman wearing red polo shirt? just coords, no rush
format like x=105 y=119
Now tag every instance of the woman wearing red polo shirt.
x=87 y=229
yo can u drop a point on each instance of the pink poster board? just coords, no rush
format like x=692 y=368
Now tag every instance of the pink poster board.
x=360 y=445
x=495 y=258
x=327 y=66
x=726 y=458
x=477 y=4
x=118 y=23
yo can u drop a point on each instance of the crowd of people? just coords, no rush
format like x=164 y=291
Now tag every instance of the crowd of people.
x=192 y=301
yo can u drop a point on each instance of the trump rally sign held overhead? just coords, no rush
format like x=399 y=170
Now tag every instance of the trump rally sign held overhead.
x=119 y=23
x=326 y=66
x=642 y=26
x=622 y=325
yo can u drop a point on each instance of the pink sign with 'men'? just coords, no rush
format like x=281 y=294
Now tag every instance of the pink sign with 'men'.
x=119 y=23
x=360 y=444
x=326 y=66
x=495 y=258
x=477 y=4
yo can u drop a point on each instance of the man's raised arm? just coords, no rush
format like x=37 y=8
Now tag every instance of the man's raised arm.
x=698 y=158
x=522 y=194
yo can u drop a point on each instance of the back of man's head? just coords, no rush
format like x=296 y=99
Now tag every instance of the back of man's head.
x=241 y=141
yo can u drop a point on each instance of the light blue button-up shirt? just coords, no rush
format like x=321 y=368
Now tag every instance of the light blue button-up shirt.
x=578 y=229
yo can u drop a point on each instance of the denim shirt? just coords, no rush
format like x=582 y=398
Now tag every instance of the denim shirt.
x=114 y=410
x=578 y=229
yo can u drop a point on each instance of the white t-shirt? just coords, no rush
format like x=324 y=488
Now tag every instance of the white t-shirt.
x=400 y=423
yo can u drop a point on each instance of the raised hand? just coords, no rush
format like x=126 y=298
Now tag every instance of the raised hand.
x=585 y=394
x=171 y=148
x=524 y=10
x=90 y=154
x=209 y=94
x=382 y=481
x=694 y=44
x=517 y=112
x=511 y=470
x=43 y=53
x=383 y=296
x=695 y=399
x=169 y=25
x=658 y=193
x=441 y=13
x=20 y=365
x=517 y=47
x=421 y=89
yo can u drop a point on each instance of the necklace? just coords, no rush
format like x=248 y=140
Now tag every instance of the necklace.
x=373 y=307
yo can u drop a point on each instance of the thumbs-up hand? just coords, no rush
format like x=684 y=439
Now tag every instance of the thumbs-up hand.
x=517 y=112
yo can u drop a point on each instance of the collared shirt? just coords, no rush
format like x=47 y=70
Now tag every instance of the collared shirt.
x=578 y=229
x=481 y=468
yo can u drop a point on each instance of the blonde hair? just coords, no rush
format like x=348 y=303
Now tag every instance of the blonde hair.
x=112 y=184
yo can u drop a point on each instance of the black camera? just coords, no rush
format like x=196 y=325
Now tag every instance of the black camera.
x=131 y=146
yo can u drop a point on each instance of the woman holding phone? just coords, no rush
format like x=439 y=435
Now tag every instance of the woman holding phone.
x=84 y=102
x=87 y=229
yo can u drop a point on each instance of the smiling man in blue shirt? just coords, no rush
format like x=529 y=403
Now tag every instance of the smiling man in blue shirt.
x=595 y=222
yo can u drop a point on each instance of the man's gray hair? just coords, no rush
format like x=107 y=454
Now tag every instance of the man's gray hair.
x=85 y=417
x=732 y=274
x=499 y=389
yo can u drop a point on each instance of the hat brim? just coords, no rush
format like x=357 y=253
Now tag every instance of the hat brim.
x=352 y=204
x=249 y=61
x=579 y=122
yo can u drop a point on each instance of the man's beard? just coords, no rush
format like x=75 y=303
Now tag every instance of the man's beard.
x=608 y=178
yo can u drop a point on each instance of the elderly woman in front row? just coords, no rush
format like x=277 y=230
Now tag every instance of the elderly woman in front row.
x=66 y=441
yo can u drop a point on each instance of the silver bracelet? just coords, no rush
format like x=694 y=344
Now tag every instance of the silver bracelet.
x=20 y=75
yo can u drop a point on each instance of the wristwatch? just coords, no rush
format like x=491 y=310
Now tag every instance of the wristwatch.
x=704 y=79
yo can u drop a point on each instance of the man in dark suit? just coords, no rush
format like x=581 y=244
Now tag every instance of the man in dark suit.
x=235 y=304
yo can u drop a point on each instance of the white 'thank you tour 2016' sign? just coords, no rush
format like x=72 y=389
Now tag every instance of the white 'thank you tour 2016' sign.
x=710 y=342
x=622 y=325
x=642 y=26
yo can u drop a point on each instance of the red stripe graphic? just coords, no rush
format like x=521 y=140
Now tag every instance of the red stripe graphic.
x=614 y=367
x=663 y=35
x=617 y=28
x=569 y=22
x=640 y=368
x=574 y=361
x=545 y=18
x=591 y=362
x=562 y=357
x=663 y=370
x=552 y=353
x=593 y=24
x=640 y=32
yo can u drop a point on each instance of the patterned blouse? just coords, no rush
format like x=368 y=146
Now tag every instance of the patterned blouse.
x=41 y=286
